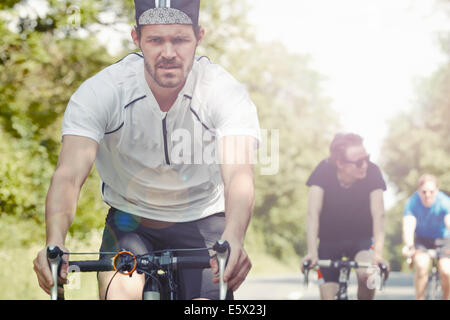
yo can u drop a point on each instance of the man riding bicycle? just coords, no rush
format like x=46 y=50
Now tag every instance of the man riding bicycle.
x=165 y=129
x=346 y=212
x=426 y=225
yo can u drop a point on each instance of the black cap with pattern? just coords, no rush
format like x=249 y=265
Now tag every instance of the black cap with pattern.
x=167 y=12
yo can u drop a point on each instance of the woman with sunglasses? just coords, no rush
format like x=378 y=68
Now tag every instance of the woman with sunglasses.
x=346 y=212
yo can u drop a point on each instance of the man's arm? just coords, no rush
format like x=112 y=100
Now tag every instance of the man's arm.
x=447 y=220
x=236 y=165
x=377 y=210
x=315 y=203
x=74 y=164
x=409 y=227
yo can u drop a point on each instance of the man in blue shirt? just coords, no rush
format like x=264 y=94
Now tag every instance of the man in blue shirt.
x=426 y=225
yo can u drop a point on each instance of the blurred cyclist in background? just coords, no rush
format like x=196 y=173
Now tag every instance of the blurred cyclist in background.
x=346 y=212
x=426 y=225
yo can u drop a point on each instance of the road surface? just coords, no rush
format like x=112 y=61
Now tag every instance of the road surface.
x=290 y=287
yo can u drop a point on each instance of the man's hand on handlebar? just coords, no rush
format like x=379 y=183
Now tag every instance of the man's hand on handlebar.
x=309 y=260
x=238 y=265
x=44 y=275
x=379 y=261
x=408 y=251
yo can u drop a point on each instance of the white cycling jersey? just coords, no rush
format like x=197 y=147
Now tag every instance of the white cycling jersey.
x=155 y=164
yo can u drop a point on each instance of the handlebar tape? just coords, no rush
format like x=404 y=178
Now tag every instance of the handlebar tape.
x=92 y=266
x=193 y=262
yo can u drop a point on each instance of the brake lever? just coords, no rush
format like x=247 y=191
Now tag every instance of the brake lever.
x=222 y=248
x=54 y=257
x=305 y=269
x=409 y=261
x=383 y=274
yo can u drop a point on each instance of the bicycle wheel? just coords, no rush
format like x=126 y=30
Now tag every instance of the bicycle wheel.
x=438 y=288
x=433 y=287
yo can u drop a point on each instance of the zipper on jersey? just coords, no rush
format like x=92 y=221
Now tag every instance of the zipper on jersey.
x=166 y=149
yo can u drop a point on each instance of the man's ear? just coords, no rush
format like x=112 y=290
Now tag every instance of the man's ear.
x=201 y=34
x=135 y=37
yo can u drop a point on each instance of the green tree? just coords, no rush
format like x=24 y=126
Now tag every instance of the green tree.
x=418 y=142
x=39 y=70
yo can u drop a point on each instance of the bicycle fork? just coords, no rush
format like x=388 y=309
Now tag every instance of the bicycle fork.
x=344 y=274
x=433 y=284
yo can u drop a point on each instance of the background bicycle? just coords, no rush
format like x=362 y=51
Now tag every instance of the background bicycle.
x=377 y=278
x=434 y=289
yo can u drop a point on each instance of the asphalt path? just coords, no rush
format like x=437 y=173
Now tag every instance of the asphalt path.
x=291 y=287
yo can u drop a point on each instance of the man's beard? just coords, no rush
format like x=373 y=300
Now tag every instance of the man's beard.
x=160 y=81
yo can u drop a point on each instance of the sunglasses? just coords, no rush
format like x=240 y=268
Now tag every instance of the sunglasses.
x=360 y=162
x=425 y=192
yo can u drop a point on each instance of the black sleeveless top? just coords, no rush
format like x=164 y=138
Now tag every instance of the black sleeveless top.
x=345 y=212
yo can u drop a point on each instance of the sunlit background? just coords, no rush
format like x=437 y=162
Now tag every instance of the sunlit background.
x=370 y=52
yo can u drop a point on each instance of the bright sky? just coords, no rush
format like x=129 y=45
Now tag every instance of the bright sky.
x=370 y=51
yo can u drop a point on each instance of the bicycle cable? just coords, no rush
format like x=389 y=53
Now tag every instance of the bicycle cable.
x=107 y=288
x=140 y=255
x=175 y=250
x=83 y=253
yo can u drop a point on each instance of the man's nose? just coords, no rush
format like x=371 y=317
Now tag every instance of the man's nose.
x=365 y=164
x=169 y=51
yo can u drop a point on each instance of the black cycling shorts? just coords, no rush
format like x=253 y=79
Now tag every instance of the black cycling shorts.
x=336 y=250
x=424 y=244
x=124 y=231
